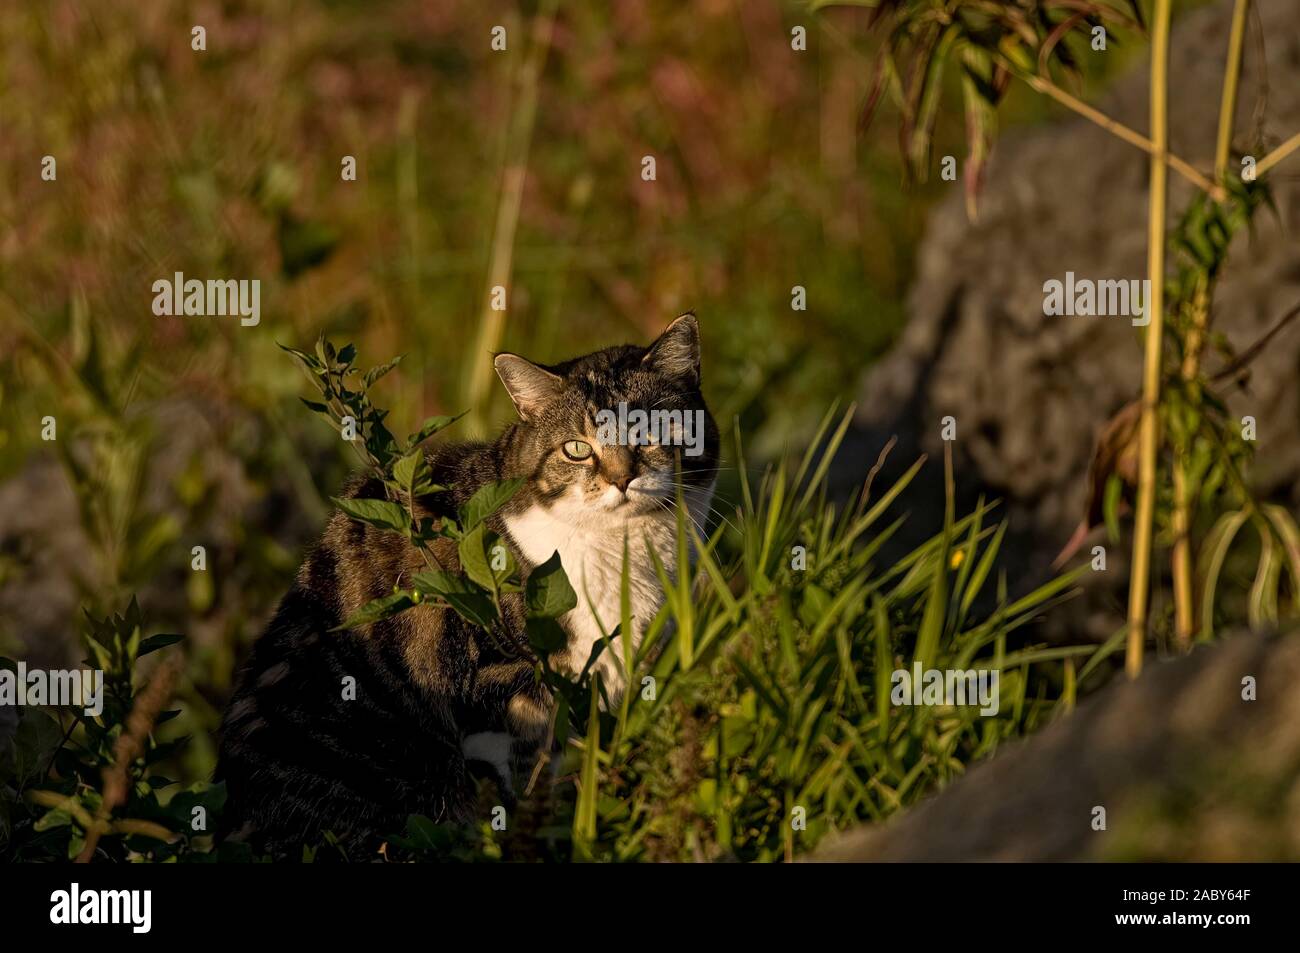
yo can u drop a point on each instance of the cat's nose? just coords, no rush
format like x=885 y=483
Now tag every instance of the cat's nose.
x=618 y=466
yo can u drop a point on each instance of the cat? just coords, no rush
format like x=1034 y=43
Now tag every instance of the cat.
x=349 y=732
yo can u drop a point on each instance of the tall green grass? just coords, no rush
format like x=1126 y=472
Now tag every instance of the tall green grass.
x=759 y=716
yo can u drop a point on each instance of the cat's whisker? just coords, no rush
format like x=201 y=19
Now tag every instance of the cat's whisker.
x=723 y=517
x=704 y=493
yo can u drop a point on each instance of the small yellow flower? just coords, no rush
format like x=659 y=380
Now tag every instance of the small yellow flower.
x=958 y=557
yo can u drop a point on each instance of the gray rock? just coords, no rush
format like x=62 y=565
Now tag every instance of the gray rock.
x=1184 y=767
x=1030 y=393
x=53 y=570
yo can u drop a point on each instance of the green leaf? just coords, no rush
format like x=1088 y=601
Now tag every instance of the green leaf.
x=52 y=819
x=309 y=363
x=487 y=501
x=545 y=635
x=36 y=739
x=412 y=473
x=423 y=834
x=1213 y=553
x=383 y=514
x=1261 y=608
x=884 y=664
x=103 y=657
x=1289 y=533
x=324 y=350
x=156 y=642
x=584 y=811
x=431 y=427
x=375 y=373
x=935 y=613
x=474 y=559
x=548 y=594
x=373 y=611
x=181 y=807
x=1110 y=507
x=468 y=600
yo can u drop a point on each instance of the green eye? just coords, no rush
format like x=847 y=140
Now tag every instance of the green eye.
x=577 y=449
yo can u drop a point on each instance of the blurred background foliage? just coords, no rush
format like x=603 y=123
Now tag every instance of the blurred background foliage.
x=177 y=432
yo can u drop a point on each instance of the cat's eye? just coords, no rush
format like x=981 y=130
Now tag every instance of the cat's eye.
x=577 y=449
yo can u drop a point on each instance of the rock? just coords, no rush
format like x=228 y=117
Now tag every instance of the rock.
x=53 y=569
x=1184 y=767
x=1031 y=393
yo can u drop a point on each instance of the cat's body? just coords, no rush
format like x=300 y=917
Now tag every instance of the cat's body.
x=304 y=750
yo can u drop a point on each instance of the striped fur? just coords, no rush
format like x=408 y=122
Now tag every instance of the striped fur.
x=301 y=756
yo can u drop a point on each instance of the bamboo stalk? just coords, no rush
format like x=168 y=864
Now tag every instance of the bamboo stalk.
x=1231 y=83
x=1118 y=129
x=1140 y=580
x=492 y=322
x=1278 y=154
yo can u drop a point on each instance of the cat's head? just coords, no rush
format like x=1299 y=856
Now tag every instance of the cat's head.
x=600 y=437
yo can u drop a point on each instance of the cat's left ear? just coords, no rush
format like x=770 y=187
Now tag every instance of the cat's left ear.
x=677 y=351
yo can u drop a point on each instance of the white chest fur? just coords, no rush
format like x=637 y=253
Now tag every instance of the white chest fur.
x=592 y=556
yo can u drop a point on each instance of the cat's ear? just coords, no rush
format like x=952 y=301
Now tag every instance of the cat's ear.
x=528 y=385
x=676 y=353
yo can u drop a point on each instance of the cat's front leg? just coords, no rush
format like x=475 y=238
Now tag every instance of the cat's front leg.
x=512 y=720
x=492 y=748
x=528 y=722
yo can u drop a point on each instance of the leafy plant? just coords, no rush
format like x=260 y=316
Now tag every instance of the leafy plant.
x=488 y=570
x=92 y=790
x=990 y=42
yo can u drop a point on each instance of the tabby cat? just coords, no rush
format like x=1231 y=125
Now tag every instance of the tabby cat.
x=433 y=692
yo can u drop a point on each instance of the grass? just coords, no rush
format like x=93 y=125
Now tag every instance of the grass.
x=760 y=716
x=764 y=718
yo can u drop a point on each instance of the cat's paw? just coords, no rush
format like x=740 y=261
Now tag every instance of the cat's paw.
x=493 y=748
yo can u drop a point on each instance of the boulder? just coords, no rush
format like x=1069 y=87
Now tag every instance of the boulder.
x=1184 y=766
x=1030 y=393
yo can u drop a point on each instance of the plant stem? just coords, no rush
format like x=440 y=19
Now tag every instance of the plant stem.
x=1184 y=603
x=131 y=744
x=1278 y=154
x=1231 y=81
x=1184 y=607
x=1118 y=129
x=492 y=322
x=1140 y=580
